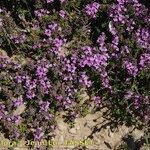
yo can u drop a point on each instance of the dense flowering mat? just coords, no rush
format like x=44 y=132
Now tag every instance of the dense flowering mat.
x=53 y=51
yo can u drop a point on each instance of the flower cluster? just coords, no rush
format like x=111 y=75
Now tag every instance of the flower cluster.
x=143 y=38
x=18 y=101
x=92 y=9
x=41 y=12
x=144 y=60
x=131 y=68
x=138 y=103
x=18 y=39
x=55 y=48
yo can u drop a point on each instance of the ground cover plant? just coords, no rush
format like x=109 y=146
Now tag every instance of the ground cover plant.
x=52 y=51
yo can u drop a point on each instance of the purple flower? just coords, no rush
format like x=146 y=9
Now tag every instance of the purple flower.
x=62 y=13
x=49 y=1
x=38 y=134
x=58 y=42
x=37 y=45
x=14 y=119
x=41 y=12
x=44 y=106
x=48 y=32
x=19 y=79
x=41 y=71
x=62 y=1
x=30 y=94
x=117 y=12
x=18 y=38
x=97 y=100
x=53 y=27
x=128 y=95
x=92 y=9
x=18 y=101
x=48 y=116
x=131 y=68
x=84 y=80
x=143 y=37
x=1 y=10
x=35 y=25
x=2 y=111
x=144 y=60
x=101 y=39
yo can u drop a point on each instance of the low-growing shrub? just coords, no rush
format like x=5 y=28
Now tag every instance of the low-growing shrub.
x=53 y=51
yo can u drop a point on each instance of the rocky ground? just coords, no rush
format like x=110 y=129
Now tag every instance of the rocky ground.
x=92 y=132
x=96 y=131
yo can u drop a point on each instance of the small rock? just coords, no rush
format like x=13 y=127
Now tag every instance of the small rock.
x=97 y=141
x=73 y=131
x=137 y=134
x=19 y=59
x=20 y=109
x=18 y=148
x=2 y=52
x=78 y=127
x=83 y=98
x=61 y=139
x=90 y=124
x=61 y=125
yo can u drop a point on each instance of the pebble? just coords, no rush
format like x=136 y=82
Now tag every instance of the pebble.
x=73 y=131
x=61 y=126
x=78 y=127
